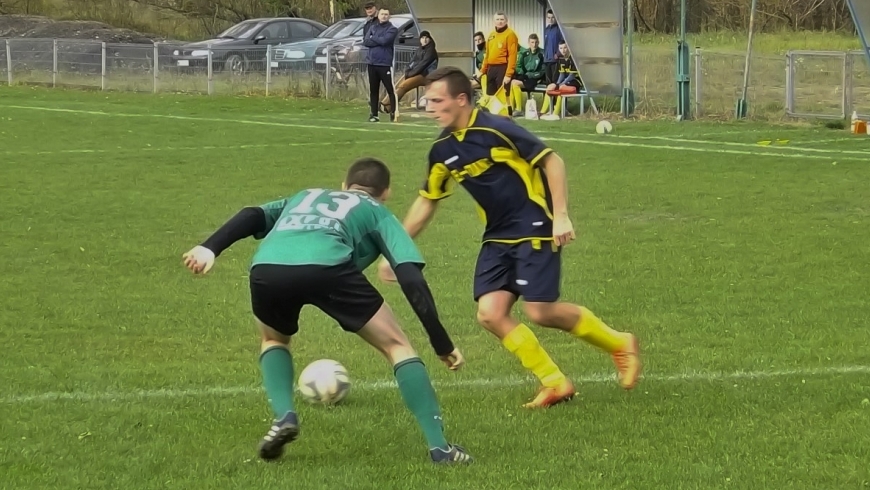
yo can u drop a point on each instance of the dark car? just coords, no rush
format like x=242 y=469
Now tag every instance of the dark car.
x=242 y=47
x=349 y=54
x=291 y=55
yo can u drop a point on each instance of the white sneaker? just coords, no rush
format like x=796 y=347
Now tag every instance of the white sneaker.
x=550 y=117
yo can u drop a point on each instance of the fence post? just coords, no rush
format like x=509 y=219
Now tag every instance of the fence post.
x=209 y=71
x=8 y=63
x=54 y=64
x=846 y=84
x=849 y=89
x=156 y=66
x=327 y=76
x=268 y=68
x=103 y=66
x=789 y=83
x=699 y=78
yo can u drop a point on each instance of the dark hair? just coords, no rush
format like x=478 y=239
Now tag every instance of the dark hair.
x=371 y=173
x=369 y=5
x=563 y=42
x=501 y=12
x=534 y=36
x=550 y=11
x=384 y=8
x=457 y=81
x=478 y=33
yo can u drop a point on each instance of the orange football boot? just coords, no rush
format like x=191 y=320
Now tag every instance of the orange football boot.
x=547 y=397
x=627 y=360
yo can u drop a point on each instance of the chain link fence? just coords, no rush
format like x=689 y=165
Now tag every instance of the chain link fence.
x=805 y=84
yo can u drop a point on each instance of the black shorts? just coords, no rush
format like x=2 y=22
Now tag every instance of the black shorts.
x=278 y=293
x=494 y=76
x=531 y=270
x=551 y=72
x=529 y=84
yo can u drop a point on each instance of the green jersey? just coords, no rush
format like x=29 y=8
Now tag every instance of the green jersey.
x=328 y=227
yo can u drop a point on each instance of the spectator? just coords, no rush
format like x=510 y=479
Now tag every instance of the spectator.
x=568 y=81
x=529 y=73
x=479 y=54
x=371 y=9
x=380 y=40
x=552 y=39
x=500 y=60
x=425 y=61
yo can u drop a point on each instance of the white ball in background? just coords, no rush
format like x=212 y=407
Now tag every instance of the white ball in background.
x=604 y=127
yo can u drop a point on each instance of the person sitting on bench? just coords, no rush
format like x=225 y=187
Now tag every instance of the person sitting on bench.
x=567 y=83
x=530 y=72
x=425 y=61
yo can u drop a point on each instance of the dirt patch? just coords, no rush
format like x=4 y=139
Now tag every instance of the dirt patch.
x=36 y=27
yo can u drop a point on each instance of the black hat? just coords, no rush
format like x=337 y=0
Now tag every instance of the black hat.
x=369 y=5
x=425 y=34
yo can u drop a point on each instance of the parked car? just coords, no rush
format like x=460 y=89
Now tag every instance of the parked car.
x=349 y=53
x=242 y=47
x=287 y=56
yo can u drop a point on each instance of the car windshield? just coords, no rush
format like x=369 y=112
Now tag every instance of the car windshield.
x=341 y=29
x=241 y=30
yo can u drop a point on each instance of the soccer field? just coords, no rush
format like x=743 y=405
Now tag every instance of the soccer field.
x=742 y=267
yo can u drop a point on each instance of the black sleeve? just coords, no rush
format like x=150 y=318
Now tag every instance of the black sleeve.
x=245 y=223
x=410 y=277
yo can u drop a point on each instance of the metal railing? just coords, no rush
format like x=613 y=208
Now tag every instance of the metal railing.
x=802 y=84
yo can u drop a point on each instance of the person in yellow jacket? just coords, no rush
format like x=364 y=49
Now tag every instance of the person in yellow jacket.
x=500 y=61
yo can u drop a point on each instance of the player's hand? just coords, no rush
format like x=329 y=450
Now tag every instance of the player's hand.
x=385 y=272
x=454 y=360
x=199 y=259
x=563 y=230
x=506 y=82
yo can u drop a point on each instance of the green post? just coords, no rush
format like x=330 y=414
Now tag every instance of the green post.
x=742 y=106
x=683 y=92
x=627 y=90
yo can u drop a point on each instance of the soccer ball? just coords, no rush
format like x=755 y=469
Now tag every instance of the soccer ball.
x=324 y=382
x=604 y=127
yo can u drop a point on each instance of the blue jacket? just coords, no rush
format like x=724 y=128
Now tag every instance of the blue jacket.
x=379 y=39
x=552 y=38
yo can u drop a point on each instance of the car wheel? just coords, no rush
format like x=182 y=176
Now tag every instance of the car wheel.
x=235 y=64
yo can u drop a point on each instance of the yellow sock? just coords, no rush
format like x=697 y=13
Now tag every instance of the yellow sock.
x=521 y=342
x=593 y=330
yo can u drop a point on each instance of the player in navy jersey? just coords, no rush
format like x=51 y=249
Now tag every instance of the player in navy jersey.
x=520 y=187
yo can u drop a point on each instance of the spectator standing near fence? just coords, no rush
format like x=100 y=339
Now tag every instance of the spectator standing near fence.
x=380 y=40
x=552 y=39
x=500 y=60
x=425 y=61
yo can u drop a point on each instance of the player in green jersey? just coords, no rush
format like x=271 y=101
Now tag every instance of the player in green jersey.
x=314 y=248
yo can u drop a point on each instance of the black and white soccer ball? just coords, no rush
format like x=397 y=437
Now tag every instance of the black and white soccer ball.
x=324 y=382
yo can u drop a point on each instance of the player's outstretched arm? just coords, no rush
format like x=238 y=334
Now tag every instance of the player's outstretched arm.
x=557 y=180
x=416 y=289
x=247 y=222
x=419 y=216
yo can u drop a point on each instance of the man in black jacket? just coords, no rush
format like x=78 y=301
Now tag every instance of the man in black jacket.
x=425 y=61
x=380 y=39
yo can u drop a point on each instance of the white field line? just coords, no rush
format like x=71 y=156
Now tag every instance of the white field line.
x=756 y=153
x=210 y=147
x=752 y=149
x=377 y=385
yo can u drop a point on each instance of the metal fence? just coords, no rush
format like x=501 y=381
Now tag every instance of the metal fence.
x=798 y=84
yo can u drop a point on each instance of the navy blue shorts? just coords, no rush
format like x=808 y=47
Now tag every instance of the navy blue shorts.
x=532 y=270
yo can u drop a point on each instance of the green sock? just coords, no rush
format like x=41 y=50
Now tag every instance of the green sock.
x=277 y=366
x=420 y=399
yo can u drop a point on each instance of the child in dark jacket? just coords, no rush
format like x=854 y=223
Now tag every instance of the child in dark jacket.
x=424 y=62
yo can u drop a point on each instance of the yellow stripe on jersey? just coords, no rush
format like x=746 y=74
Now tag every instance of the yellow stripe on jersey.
x=439 y=184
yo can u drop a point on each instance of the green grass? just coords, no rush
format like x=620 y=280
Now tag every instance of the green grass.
x=722 y=255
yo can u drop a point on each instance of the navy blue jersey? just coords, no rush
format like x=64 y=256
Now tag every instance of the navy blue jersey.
x=496 y=161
